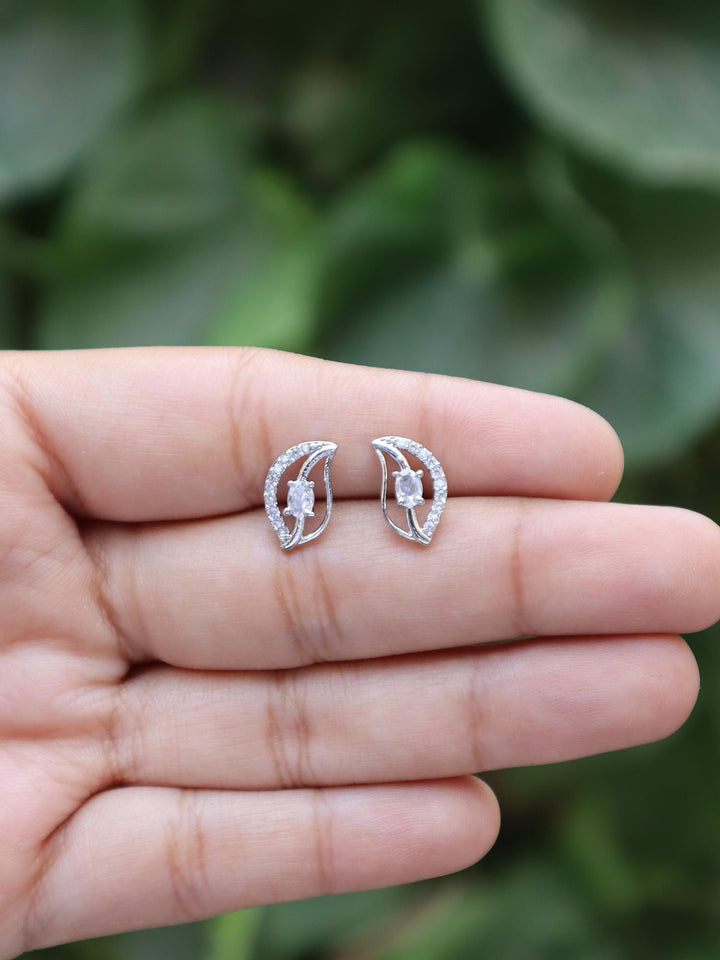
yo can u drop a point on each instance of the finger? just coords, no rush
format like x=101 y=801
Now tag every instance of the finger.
x=142 y=857
x=168 y=434
x=417 y=717
x=220 y=594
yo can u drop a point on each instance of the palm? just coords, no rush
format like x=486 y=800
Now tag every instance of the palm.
x=286 y=725
x=59 y=674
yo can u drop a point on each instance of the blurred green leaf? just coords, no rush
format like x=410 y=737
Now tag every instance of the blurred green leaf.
x=438 y=263
x=363 y=89
x=524 y=913
x=312 y=928
x=8 y=321
x=8 y=334
x=592 y=844
x=6 y=317
x=660 y=385
x=171 y=238
x=183 y=942
x=176 y=171
x=233 y=936
x=272 y=303
x=637 y=83
x=65 y=71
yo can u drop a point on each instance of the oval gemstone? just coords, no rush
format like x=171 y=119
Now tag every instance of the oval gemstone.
x=301 y=498
x=408 y=488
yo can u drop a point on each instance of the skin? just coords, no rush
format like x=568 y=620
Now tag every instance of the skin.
x=193 y=721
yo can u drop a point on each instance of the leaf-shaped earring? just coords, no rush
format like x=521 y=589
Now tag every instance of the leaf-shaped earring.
x=301 y=492
x=409 y=488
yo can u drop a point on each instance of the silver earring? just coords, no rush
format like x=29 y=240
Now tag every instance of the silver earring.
x=409 y=488
x=301 y=492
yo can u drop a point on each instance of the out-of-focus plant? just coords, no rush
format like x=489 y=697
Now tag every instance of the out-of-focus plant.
x=519 y=190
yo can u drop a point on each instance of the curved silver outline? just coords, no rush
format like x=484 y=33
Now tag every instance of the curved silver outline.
x=393 y=447
x=313 y=451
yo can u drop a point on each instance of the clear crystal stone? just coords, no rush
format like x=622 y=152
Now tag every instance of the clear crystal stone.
x=408 y=488
x=301 y=498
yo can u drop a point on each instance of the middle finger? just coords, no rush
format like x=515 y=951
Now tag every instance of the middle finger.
x=220 y=594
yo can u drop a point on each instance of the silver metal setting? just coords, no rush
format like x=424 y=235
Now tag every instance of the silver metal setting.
x=405 y=496
x=313 y=451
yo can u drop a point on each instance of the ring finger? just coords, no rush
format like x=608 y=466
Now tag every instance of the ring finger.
x=219 y=594
x=400 y=718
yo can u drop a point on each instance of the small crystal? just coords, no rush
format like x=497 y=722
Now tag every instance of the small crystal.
x=301 y=499
x=408 y=488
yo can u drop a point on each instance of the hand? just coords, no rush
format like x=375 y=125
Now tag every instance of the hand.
x=193 y=721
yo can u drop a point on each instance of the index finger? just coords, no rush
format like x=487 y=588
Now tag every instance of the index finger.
x=178 y=433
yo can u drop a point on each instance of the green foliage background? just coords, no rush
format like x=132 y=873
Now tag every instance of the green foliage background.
x=525 y=191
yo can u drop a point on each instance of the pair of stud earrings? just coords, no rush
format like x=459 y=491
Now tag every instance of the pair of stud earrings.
x=301 y=491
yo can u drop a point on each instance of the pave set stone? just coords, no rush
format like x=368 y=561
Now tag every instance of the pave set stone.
x=271 y=488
